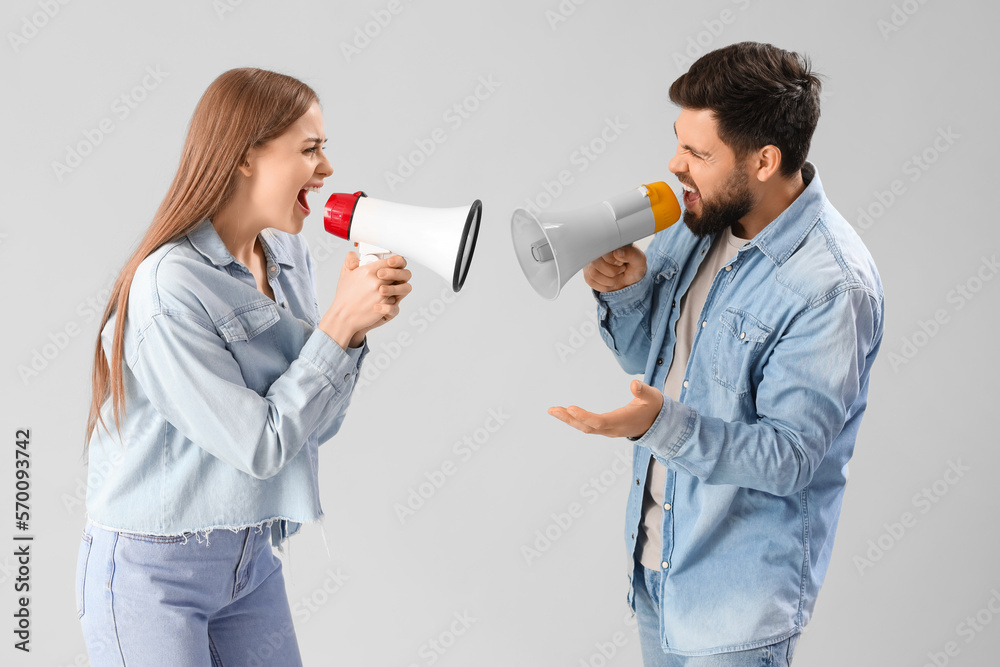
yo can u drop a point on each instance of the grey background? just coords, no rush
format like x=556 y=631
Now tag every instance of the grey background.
x=498 y=345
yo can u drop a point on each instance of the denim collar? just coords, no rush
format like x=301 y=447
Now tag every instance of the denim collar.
x=785 y=233
x=206 y=240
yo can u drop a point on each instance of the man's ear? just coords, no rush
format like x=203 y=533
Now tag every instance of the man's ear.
x=766 y=162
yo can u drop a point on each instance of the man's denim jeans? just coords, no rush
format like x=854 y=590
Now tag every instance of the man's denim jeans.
x=153 y=600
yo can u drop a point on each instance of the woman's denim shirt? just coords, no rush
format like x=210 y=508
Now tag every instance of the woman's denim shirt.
x=227 y=394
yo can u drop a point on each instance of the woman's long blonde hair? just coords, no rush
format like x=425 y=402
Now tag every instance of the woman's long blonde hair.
x=241 y=109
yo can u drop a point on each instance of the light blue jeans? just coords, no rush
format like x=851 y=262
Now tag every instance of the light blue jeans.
x=647 y=611
x=146 y=600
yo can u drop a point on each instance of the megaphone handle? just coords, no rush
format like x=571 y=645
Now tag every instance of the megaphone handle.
x=371 y=253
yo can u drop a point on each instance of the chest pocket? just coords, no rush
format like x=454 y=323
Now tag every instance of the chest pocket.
x=668 y=271
x=248 y=321
x=738 y=344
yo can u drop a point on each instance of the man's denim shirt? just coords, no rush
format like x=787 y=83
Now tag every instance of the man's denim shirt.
x=228 y=394
x=756 y=449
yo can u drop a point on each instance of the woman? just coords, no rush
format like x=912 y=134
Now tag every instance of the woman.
x=222 y=381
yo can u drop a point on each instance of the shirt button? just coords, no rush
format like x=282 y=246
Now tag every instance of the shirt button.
x=273 y=269
x=659 y=362
x=633 y=536
x=637 y=482
x=685 y=383
x=743 y=335
x=704 y=324
x=667 y=506
x=665 y=565
x=729 y=267
x=347 y=377
x=673 y=305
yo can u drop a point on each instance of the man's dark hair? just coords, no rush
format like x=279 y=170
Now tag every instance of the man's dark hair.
x=759 y=95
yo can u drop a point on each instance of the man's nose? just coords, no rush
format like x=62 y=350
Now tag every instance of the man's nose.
x=677 y=164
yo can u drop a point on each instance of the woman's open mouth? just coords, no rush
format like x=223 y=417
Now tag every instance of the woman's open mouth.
x=301 y=197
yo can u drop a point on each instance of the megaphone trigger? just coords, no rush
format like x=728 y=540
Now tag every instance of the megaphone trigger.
x=369 y=253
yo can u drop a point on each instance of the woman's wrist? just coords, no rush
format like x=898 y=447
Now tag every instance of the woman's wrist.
x=358 y=339
x=335 y=326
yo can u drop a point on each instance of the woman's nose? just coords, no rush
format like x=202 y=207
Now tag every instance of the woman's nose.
x=324 y=168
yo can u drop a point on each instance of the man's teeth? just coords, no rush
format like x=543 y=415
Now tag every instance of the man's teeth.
x=688 y=188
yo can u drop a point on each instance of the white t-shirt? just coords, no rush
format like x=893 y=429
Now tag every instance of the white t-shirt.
x=723 y=249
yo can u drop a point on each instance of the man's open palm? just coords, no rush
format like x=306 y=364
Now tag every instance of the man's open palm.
x=633 y=420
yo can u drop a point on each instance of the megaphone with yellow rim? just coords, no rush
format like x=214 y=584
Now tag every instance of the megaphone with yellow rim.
x=552 y=246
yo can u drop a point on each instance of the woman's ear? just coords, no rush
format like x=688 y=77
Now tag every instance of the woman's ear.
x=245 y=166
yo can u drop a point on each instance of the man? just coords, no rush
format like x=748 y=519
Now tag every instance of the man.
x=760 y=317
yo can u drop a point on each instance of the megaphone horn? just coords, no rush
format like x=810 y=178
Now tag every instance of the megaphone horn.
x=552 y=247
x=442 y=239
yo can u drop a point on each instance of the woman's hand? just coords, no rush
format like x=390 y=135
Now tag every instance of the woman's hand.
x=367 y=297
x=392 y=294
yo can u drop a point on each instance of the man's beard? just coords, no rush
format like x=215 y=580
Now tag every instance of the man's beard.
x=734 y=201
